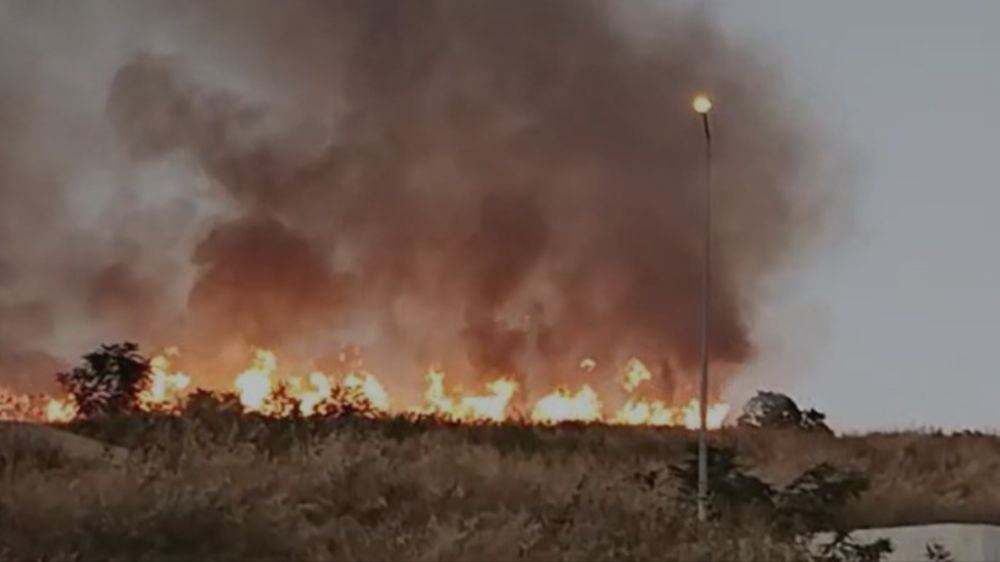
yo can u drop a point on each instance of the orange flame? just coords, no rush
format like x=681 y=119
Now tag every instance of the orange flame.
x=365 y=388
x=640 y=411
x=165 y=388
x=636 y=373
x=260 y=389
x=60 y=411
x=254 y=385
x=310 y=398
x=491 y=407
x=563 y=406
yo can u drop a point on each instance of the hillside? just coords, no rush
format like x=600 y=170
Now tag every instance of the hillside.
x=237 y=487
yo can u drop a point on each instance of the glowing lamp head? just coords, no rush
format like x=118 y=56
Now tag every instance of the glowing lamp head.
x=701 y=104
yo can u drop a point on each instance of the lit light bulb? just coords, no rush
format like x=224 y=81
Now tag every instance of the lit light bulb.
x=701 y=104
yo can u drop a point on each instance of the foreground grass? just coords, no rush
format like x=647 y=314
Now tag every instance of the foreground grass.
x=229 y=487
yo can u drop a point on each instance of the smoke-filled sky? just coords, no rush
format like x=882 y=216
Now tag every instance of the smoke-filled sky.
x=498 y=187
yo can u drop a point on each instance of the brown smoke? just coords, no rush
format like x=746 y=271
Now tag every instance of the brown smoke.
x=262 y=277
x=506 y=186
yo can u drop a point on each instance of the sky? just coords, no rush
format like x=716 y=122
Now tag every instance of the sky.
x=896 y=325
x=891 y=323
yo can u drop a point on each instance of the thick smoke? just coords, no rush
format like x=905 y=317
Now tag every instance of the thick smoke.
x=499 y=187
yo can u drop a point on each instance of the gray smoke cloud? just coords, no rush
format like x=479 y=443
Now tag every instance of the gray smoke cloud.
x=497 y=187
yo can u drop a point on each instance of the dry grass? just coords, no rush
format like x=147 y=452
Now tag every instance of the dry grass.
x=915 y=477
x=222 y=487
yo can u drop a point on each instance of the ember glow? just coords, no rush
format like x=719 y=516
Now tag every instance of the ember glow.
x=262 y=389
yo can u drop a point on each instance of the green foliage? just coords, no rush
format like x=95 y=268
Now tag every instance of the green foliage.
x=109 y=381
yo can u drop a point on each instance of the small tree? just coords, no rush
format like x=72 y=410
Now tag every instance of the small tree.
x=773 y=410
x=730 y=485
x=109 y=381
x=807 y=506
x=814 y=499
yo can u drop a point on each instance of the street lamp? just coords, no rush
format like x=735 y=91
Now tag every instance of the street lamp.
x=702 y=105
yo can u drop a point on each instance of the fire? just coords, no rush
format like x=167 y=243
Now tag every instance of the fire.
x=364 y=387
x=310 y=398
x=254 y=384
x=563 y=406
x=640 y=411
x=490 y=407
x=636 y=373
x=164 y=387
x=262 y=389
x=493 y=406
x=19 y=408
x=655 y=412
x=716 y=415
x=60 y=411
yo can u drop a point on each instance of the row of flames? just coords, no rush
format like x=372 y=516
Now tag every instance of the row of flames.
x=261 y=390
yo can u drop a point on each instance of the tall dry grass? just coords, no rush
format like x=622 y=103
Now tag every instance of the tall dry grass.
x=237 y=488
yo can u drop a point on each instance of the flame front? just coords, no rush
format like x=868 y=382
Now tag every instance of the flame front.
x=255 y=385
x=563 y=406
x=165 y=388
x=489 y=407
x=640 y=411
x=320 y=392
x=262 y=389
x=364 y=388
x=60 y=411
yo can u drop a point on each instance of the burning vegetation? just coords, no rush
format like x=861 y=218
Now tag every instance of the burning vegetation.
x=117 y=379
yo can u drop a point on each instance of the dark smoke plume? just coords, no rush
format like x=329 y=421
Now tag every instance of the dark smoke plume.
x=506 y=187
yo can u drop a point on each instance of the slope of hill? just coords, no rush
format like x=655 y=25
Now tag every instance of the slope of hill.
x=234 y=487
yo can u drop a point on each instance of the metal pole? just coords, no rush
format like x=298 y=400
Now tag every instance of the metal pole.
x=705 y=306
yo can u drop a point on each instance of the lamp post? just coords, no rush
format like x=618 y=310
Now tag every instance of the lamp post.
x=702 y=105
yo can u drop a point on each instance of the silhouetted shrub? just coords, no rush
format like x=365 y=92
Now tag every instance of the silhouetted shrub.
x=773 y=410
x=109 y=381
x=730 y=485
x=810 y=504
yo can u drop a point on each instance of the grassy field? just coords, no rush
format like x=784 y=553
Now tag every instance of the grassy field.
x=234 y=487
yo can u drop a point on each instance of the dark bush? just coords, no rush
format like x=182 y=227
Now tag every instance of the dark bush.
x=109 y=381
x=773 y=410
